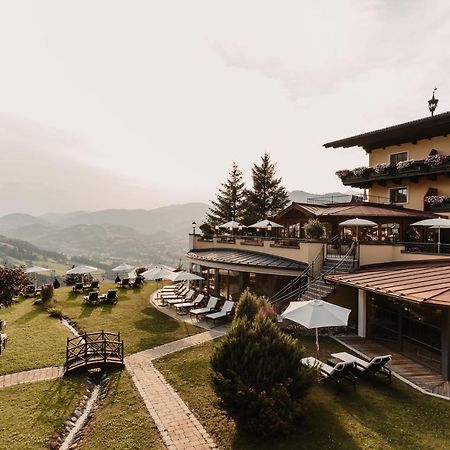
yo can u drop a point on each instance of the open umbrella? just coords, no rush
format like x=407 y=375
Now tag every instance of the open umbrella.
x=357 y=223
x=317 y=314
x=123 y=268
x=266 y=224
x=81 y=270
x=36 y=270
x=184 y=276
x=232 y=225
x=438 y=222
x=156 y=274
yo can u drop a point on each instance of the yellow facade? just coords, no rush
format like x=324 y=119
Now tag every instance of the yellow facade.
x=416 y=190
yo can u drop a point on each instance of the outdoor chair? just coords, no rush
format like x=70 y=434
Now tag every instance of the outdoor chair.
x=77 y=287
x=109 y=297
x=172 y=287
x=224 y=313
x=341 y=371
x=91 y=298
x=192 y=304
x=91 y=285
x=138 y=283
x=209 y=308
x=187 y=298
x=124 y=283
x=372 y=367
x=181 y=293
x=30 y=291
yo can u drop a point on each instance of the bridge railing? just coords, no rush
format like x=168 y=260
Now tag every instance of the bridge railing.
x=94 y=349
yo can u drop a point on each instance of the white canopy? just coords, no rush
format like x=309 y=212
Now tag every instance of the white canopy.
x=438 y=222
x=265 y=224
x=123 y=268
x=357 y=223
x=157 y=273
x=232 y=224
x=184 y=276
x=37 y=269
x=81 y=270
x=317 y=314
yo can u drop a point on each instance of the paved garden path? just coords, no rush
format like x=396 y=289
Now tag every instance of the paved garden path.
x=177 y=425
x=31 y=376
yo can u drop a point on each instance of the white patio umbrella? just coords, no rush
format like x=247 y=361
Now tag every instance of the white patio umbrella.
x=317 y=314
x=36 y=270
x=81 y=270
x=232 y=225
x=123 y=268
x=266 y=224
x=438 y=222
x=184 y=276
x=157 y=274
x=357 y=223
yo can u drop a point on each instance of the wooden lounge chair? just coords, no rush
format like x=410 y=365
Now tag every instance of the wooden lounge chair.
x=125 y=283
x=91 y=286
x=372 y=367
x=209 y=308
x=77 y=287
x=91 y=298
x=224 y=313
x=341 y=371
x=109 y=297
x=181 y=293
x=192 y=304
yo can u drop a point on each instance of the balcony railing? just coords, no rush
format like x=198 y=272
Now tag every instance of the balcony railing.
x=416 y=169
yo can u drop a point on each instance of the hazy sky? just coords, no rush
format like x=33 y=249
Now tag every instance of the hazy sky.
x=141 y=104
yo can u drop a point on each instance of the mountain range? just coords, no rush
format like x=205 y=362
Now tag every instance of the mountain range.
x=138 y=236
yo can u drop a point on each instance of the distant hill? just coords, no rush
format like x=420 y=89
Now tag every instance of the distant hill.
x=306 y=197
x=12 y=221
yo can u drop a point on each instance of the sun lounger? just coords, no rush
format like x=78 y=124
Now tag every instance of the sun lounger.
x=223 y=313
x=187 y=298
x=91 y=286
x=181 y=292
x=91 y=298
x=209 y=308
x=172 y=287
x=192 y=304
x=341 y=371
x=375 y=365
x=77 y=287
x=109 y=297
x=124 y=283
x=137 y=283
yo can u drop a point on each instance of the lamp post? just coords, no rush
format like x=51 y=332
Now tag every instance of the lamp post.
x=432 y=103
x=217 y=229
x=269 y=228
x=240 y=230
x=194 y=226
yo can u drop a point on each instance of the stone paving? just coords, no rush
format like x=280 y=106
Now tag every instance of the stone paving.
x=179 y=428
x=31 y=376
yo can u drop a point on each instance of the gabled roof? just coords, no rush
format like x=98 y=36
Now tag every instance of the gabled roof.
x=426 y=128
x=420 y=282
x=361 y=210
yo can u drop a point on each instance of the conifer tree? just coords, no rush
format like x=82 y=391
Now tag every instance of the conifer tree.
x=268 y=196
x=228 y=204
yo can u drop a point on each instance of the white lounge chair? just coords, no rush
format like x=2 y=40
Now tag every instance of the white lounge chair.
x=375 y=365
x=342 y=370
x=181 y=293
x=225 y=312
x=192 y=304
x=172 y=287
x=186 y=299
x=209 y=308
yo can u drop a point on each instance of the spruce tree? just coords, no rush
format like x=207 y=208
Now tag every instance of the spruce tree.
x=268 y=196
x=228 y=204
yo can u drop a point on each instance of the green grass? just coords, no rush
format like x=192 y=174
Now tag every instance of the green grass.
x=140 y=324
x=32 y=413
x=377 y=416
x=123 y=421
x=34 y=338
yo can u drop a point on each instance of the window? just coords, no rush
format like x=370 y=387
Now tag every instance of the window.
x=398 y=195
x=397 y=157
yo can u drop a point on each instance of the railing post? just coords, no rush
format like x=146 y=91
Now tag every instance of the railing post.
x=85 y=349
x=67 y=355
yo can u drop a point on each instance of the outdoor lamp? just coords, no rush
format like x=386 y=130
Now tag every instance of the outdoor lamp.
x=269 y=227
x=240 y=227
x=194 y=225
x=432 y=103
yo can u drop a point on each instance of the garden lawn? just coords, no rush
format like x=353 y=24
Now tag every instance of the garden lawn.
x=122 y=422
x=377 y=416
x=31 y=414
x=140 y=324
x=34 y=338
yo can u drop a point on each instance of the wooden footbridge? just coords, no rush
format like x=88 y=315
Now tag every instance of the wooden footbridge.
x=94 y=350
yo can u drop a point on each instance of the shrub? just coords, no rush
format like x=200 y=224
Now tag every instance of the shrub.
x=56 y=283
x=435 y=160
x=54 y=312
x=47 y=293
x=140 y=270
x=247 y=306
x=258 y=375
x=13 y=281
x=343 y=173
x=314 y=229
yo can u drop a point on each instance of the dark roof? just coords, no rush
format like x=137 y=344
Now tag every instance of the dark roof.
x=426 y=282
x=361 y=210
x=247 y=258
x=425 y=128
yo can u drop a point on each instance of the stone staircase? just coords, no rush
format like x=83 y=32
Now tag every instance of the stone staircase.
x=318 y=289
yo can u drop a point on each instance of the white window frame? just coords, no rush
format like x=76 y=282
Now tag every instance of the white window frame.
x=396 y=188
x=398 y=153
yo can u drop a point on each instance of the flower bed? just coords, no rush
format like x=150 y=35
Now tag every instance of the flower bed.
x=435 y=160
